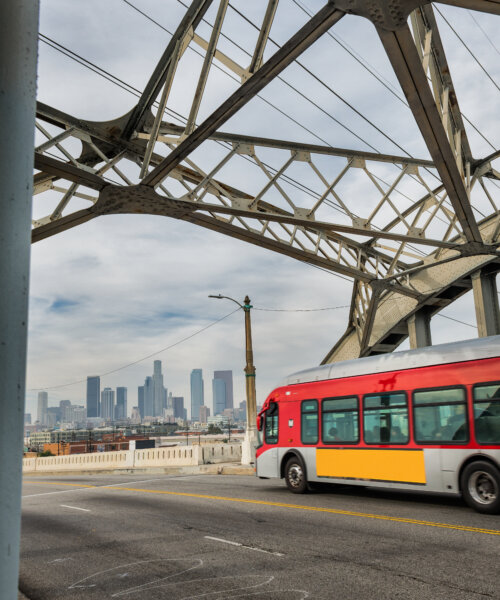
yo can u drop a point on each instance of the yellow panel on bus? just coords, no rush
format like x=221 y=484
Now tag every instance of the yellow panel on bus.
x=405 y=466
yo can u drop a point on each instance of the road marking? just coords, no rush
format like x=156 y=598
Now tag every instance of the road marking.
x=59 y=560
x=208 y=537
x=334 y=511
x=75 y=507
x=80 y=486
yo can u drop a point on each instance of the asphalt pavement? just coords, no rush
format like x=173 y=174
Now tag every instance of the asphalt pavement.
x=217 y=537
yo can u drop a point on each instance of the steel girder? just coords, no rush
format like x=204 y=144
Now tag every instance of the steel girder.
x=404 y=252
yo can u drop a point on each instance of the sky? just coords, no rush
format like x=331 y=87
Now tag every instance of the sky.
x=111 y=296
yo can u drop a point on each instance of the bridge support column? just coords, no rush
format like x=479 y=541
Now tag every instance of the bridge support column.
x=18 y=57
x=484 y=286
x=419 y=329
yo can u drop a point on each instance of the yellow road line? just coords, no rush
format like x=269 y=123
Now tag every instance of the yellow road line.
x=334 y=511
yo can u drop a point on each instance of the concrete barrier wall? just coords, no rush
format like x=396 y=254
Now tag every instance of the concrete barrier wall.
x=75 y=462
x=177 y=456
x=219 y=453
x=130 y=459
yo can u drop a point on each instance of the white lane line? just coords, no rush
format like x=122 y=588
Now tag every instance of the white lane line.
x=82 y=489
x=75 y=507
x=208 y=537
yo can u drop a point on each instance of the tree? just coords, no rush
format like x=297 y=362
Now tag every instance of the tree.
x=214 y=428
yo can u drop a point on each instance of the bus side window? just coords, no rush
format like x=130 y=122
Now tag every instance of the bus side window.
x=440 y=416
x=271 y=424
x=339 y=417
x=309 y=422
x=385 y=418
x=487 y=413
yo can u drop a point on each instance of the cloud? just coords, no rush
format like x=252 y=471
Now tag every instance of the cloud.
x=63 y=305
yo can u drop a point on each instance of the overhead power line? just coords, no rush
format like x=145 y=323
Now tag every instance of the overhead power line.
x=468 y=49
x=300 y=309
x=457 y=320
x=135 y=362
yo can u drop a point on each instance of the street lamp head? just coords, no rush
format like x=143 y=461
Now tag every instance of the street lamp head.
x=219 y=297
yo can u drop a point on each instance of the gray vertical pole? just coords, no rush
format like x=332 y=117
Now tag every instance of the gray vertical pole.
x=18 y=57
x=484 y=287
x=250 y=439
x=419 y=329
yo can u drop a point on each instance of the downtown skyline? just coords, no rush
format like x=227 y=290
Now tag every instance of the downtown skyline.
x=130 y=398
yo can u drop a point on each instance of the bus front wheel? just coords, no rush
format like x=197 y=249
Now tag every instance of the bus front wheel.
x=295 y=476
x=481 y=487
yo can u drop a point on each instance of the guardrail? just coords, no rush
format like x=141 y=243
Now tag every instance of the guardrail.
x=132 y=459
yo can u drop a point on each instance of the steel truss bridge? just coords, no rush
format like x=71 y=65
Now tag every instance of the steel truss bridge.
x=423 y=233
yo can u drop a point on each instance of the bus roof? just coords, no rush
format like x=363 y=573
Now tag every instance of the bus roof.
x=475 y=349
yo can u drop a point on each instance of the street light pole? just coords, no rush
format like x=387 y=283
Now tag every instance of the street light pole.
x=250 y=440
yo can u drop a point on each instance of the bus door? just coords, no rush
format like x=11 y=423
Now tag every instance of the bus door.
x=267 y=465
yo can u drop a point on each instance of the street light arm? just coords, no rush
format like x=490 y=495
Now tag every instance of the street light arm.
x=219 y=297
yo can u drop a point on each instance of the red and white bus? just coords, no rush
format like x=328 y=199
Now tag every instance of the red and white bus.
x=425 y=419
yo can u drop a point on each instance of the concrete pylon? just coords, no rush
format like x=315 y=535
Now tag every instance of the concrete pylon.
x=18 y=58
x=419 y=329
x=484 y=286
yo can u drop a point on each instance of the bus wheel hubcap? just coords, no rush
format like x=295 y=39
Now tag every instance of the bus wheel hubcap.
x=295 y=475
x=483 y=487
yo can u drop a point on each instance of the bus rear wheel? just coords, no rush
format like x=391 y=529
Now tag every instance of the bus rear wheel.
x=295 y=476
x=481 y=487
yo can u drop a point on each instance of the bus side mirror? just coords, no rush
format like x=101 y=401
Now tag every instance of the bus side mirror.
x=259 y=422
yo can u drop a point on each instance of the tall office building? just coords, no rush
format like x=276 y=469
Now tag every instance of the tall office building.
x=197 y=393
x=121 y=403
x=178 y=407
x=79 y=414
x=140 y=401
x=135 y=416
x=43 y=402
x=108 y=404
x=227 y=378
x=204 y=414
x=148 y=397
x=53 y=415
x=66 y=412
x=93 y=396
x=155 y=395
x=159 y=392
x=219 y=395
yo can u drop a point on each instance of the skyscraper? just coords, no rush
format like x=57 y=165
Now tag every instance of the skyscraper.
x=178 y=407
x=227 y=378
x=43 y=401
x=93 y=396
x=148 y=397
x=135 y=416
x=108 y=404
x=121 y=403
x=159 y=391
x=219 y=395
x=66 y=413
x=140 y=400
x=204 y=414
x=197 y=393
